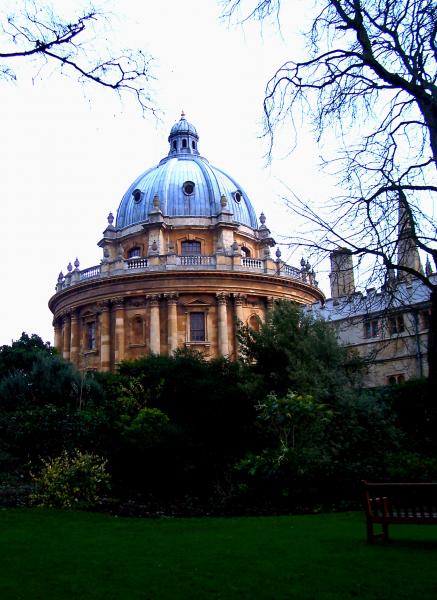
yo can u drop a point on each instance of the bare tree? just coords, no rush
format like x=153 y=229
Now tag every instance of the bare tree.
x=369 y=79
x=75 y=47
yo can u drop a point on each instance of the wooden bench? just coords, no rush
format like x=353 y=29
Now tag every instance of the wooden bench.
x=400 y=504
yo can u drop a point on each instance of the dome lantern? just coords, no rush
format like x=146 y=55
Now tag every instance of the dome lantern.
x=183 y=138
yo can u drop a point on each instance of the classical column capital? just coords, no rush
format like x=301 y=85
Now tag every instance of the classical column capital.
x=239 y=299
x=74 y=314
x=117 y=301
x=221 y=297
x=153 y=299
x=172 y=297
x=103 y=306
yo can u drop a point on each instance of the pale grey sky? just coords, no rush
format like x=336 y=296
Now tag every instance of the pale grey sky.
x=68 y=154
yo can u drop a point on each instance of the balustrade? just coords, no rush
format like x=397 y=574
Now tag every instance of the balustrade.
x=252 y=263
x=196 y=261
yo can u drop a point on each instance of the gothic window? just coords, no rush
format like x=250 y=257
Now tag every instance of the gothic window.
x=371 y=328
x=90 y=332
x=396 y=324
x=190 y=248
x=197 y=327
x=134 y=252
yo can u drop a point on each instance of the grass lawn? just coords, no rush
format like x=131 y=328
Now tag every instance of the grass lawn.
x=55 y=555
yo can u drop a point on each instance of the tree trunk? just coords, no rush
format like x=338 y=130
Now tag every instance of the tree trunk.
x=432 y=341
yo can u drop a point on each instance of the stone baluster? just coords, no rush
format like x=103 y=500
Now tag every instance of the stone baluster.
x=105 y=336
x=155 y=338
x=172 y=302
x=223 y=344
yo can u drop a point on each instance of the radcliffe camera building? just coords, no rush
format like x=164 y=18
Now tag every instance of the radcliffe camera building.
x=185 y=259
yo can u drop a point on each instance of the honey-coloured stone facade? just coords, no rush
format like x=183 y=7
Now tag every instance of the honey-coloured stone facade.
x=185 y=262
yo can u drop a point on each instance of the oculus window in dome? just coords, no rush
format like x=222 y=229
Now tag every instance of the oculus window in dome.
x=185 y=173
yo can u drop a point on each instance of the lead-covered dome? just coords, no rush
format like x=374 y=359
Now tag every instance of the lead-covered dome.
x=186 y=185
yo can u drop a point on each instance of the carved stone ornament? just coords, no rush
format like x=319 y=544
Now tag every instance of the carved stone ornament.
x=221 y=298
x=153 y=299
x=239 y=299
x=118 y=301
x=103 y=305
x=172 y=297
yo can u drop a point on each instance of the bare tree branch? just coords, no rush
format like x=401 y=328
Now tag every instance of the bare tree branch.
x=36 y=33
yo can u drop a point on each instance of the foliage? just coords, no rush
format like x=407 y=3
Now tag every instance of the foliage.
x=73 y=480
x=317 y=453
x=295 y=351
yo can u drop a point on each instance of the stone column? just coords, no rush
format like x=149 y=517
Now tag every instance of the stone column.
x=119 y=352
x=57 y=324
x=223 y=345
x=238 y=303
x=105 y=336
x=270 y=302
x=172 y=315
x=66 y=332
x=155 y=339
x=74 y=338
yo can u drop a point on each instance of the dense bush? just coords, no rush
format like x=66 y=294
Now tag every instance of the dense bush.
x=73 y=480
x=286 y=425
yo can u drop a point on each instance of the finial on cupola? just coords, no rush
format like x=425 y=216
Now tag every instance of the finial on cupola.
x=182 y=114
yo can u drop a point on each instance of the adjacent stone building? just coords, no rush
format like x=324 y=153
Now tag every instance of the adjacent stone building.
x=387 y=328
x=183 y=262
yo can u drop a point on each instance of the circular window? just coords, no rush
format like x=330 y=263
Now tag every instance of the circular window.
x=136 y=195
x=188 y=188
x=238 y=196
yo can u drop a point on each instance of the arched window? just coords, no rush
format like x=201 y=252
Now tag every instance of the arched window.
x=134 y=252
x=184 y=143
x=245 y=252
x=193 y=145
x=190 y=248
x=254 y=322
x=175 y=146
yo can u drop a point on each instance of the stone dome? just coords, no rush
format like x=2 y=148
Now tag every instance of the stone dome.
x=186 y=184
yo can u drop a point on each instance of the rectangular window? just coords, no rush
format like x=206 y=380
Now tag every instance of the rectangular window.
x=396 y=324
x=91 y=336
x=197 y=327
x=190 y=248
x=371 y=328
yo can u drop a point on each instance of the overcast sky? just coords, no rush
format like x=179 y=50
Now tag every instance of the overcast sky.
x=68 y=154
